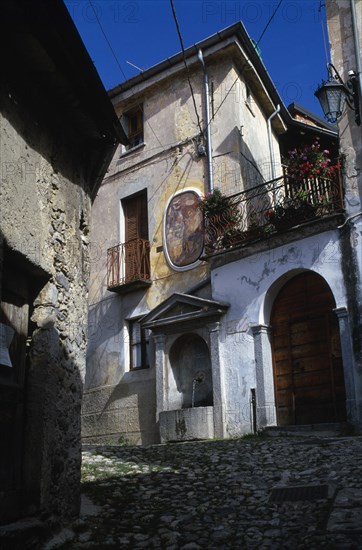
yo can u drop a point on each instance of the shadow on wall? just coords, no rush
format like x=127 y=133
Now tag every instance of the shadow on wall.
x=123 y=403
x=190 y=365
x=105 y=336
x=40 y=398
x=249 y=171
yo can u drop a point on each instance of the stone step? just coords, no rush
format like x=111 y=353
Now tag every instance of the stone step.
x=25 y=533
x=317 y=430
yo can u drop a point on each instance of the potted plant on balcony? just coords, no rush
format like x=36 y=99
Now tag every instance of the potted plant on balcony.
x=213 y=203
x=292 y=210
x=309 y=161
x=280 y=217
x=221 y=218
x=255 y=228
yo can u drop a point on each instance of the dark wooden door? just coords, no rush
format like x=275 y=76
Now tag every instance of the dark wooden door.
x=14 y=317
x=307 y=360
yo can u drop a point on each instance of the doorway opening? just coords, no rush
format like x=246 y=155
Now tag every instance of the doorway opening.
x=307 y=359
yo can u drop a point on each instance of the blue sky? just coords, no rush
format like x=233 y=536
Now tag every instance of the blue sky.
x=143 y=33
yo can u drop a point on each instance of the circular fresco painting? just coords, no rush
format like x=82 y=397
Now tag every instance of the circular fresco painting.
x=184 y=229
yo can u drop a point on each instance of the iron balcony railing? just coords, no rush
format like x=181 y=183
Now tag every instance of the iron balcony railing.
x=271 y=207
x=128 y=263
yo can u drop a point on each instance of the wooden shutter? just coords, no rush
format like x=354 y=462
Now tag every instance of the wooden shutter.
x=136 y=232
x=139 y=346
x=135 y=128
x=136 y=218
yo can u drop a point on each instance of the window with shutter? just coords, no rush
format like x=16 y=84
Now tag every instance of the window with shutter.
x=132 y=123
x=139 y=345
x=137 y=264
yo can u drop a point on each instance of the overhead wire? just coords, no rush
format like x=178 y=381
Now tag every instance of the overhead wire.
x=245 y=63
x=176 y=160
x=323 y=31
x=268 y=23
x=185 y=63
x=118 y=64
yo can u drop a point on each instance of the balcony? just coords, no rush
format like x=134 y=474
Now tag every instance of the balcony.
x=271 y=208
x=128 y=266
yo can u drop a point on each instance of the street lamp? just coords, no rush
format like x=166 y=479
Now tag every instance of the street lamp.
x=334 y=93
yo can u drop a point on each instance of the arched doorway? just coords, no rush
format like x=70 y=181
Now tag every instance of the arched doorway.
x=307 y=359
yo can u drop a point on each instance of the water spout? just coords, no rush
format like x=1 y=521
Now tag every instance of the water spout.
x=193 y=392
x=197 y=380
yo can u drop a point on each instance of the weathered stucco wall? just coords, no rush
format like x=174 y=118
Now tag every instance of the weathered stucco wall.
x=166 y=164
x=252 y=285
x=44 y=222
x=108 y=374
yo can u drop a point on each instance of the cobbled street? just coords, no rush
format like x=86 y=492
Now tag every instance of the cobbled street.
x=254 y=492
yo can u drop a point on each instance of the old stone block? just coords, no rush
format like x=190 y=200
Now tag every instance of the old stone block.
x=187 y=424
x=48 y=295
x=345 y=519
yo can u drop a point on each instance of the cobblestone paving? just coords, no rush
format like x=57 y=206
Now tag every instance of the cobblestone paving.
x=219 y=495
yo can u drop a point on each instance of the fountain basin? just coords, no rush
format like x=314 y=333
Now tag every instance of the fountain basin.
x=187 y=424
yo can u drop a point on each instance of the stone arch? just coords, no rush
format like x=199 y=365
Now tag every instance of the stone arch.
x=190 y=366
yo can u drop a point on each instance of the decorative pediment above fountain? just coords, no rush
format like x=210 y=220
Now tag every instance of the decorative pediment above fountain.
x=183 y=311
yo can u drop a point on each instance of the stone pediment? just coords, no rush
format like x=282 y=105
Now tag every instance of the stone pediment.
x=183 y=309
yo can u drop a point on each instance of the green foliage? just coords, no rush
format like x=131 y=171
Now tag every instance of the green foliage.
x=213 y=202
x=309 y=161
x=122 y=440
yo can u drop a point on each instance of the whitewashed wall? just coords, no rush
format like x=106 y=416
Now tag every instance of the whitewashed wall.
x=250 y=286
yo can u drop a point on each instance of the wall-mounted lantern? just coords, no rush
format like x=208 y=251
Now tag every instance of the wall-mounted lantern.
x=334 y=93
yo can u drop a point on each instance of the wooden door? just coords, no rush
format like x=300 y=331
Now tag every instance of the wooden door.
x=307 y=360
x=14 y=316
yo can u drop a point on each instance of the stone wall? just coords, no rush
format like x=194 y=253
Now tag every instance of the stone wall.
x=346 y=47
x=44 y=213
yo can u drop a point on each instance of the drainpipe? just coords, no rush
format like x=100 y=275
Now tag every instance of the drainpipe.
x=271 y=150
x=207 y=122
x=356 y=49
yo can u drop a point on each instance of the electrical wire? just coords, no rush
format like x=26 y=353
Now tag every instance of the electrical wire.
x=323 y=31
x=245 y=63
x=268 y=23
x=119 y=65
x=186 y=66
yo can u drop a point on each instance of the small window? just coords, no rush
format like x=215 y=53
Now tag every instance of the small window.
x=132 y=123
x=139 y=345
x=249 y=99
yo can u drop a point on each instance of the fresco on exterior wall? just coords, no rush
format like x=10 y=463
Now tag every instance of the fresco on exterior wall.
x=184 y=229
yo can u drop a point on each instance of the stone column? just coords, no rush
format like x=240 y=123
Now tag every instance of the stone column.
x=160 y=366
x=348 y=363
x=265 y=396
x=217 y=381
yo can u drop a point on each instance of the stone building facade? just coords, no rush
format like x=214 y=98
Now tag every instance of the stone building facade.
x=58 y=131
x=295 y=297
x=344 y=20
x=162 y=173
x=180 y=336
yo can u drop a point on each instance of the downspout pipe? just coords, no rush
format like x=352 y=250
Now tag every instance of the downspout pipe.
x=207 y=122
x=271 y=149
